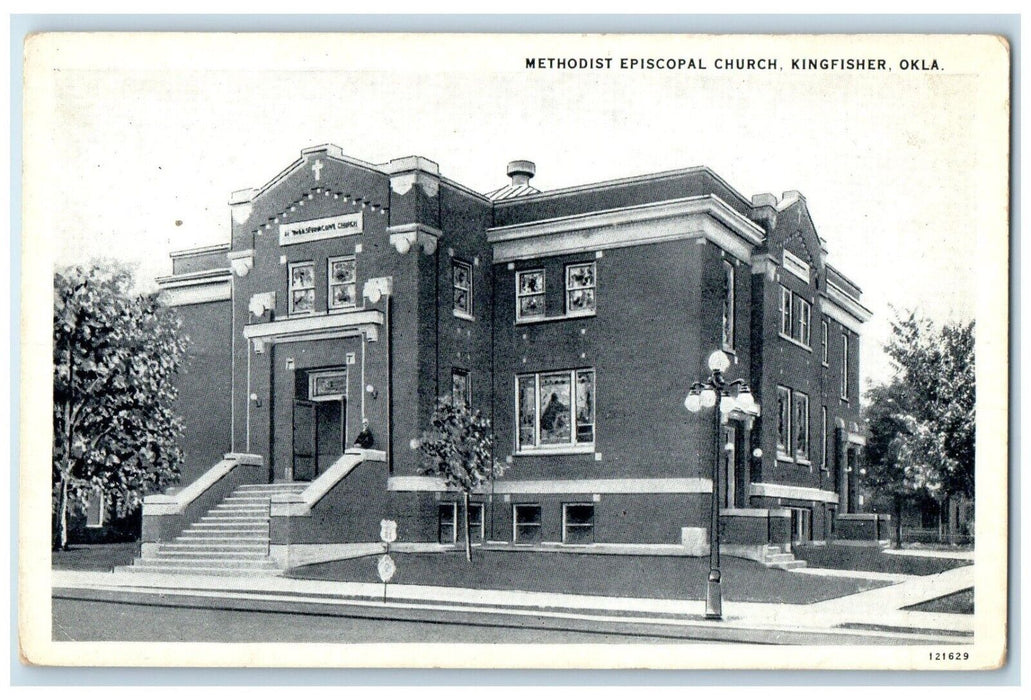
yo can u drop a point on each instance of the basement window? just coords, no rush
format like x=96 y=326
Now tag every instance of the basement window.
x=526 y=523
x=447 y=523
x=578 y=523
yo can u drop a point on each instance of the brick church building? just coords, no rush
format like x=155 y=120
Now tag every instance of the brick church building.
x=576 y=319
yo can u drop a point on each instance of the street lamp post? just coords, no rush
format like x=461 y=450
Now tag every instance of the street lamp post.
x=724 y=397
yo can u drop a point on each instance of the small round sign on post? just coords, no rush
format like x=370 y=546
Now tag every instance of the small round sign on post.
x=386 y=568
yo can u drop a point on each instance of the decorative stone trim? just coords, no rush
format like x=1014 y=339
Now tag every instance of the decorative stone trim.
x=196 y=288
x=756 y=512
x=241 y=261
x=620 y=486
x=359 y=319
x=405 y=236
x=800 y=493
x=706 y=217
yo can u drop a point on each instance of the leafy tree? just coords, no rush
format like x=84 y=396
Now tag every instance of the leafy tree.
x=115 y=356
x=459 y=449
x=922 y=422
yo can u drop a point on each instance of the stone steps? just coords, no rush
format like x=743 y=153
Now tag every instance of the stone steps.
x=774 y=557
x=231 y=539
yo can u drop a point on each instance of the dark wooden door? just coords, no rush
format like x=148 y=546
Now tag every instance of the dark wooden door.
x=306 y=442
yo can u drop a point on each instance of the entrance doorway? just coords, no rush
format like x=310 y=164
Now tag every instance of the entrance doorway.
x=733 y=483
x=319 y=422
x=801 y=525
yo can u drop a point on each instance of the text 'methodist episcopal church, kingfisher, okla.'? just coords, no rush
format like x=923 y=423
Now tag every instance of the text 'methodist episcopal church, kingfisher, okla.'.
x=575 y=319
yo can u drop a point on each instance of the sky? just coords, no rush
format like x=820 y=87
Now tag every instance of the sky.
x=134 y=144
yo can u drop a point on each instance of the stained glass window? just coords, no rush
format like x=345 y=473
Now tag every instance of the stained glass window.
x=580 y=288
x=555 y=425
x=530 y=294
x=302 y=288
x=460 y=389
x=801 y=423
x=462 y=281
x=585 y=406
x=783 y=422
x=556 y=409
x=527 y=411
x=342 y=283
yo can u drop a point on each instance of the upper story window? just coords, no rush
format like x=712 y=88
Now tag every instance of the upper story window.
x=462 y=282
x=342 y=283
x=783 y=422
x=786 y=311
x=805 y=315
x=824 y=457
x=530 y=294
x=728 y=305
x=556 y=409
x=581 y=285
x=302 y=287
x=796 y=317
x=844 y=366
x=825 y=341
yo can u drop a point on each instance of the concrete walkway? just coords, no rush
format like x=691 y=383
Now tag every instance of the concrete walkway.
x=872 y=617
x=965 y=555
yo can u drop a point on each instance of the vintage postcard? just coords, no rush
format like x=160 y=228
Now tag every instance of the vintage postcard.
x=521 y=351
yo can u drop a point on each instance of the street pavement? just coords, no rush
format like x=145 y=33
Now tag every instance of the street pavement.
x=870 y=617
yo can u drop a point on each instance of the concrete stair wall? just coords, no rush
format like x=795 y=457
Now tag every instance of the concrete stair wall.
x=231 y=539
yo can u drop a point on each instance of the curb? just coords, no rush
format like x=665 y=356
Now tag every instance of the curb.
x=680 y=628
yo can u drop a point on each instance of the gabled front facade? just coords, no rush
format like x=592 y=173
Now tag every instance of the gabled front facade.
x=575 y=319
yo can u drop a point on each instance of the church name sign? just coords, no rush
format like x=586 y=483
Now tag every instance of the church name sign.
x=318 y=229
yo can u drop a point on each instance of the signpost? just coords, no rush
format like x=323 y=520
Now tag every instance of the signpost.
x=386 y=566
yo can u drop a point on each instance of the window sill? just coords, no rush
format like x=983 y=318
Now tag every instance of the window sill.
x=561 y=450
x=462 y=315
x=549 y=319
x=785 y=458
x=803 y=462
x=342 y=309
x=300 y=314
x=794 y=341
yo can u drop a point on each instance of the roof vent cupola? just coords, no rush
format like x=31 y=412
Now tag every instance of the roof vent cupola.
x=520 y=171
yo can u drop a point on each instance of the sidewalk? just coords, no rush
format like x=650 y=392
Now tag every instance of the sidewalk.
x=870 y=617
x=932 y=553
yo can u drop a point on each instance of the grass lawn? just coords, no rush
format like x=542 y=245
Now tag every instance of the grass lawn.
x=872 y=559
x=95 y=557
x=594 y=574
x=960 y=602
